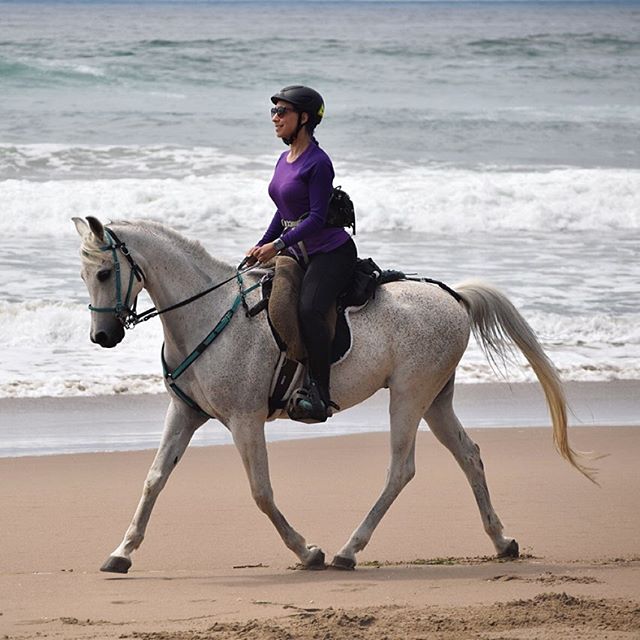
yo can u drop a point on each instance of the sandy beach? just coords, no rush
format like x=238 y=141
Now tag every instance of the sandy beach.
x=212 y=566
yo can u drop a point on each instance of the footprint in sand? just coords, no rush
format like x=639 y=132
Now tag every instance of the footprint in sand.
x=547 y=578
x=348 y=587
x=203 y=600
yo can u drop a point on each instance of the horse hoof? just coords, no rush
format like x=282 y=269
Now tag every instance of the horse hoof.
x=315 y=560
x=116 y=564
x=512 y=551
x=342 y=563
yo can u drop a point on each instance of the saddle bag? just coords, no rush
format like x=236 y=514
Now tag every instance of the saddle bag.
x=341 y=212
x=363 y=284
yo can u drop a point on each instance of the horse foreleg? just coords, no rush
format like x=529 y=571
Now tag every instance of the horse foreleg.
x=405 y=417
x=180 y=425
x=446 y=427
x=250 y=442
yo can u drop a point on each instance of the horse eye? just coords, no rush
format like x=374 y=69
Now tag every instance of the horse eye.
x=103 y=274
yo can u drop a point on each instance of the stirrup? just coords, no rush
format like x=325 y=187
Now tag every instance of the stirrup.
x=306 y=405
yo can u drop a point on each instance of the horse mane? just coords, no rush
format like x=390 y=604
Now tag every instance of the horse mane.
x=91 y=247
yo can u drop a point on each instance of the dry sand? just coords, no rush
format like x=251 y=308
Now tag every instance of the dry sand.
x=212 y=565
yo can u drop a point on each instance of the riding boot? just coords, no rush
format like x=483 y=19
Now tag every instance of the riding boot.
x=311 y=404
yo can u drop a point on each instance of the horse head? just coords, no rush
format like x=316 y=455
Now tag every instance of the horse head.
x=112 y=278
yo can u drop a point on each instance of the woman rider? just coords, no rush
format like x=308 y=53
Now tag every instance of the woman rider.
x=302 y=184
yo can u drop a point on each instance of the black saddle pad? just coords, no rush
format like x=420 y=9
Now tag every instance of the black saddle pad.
x=342 y=338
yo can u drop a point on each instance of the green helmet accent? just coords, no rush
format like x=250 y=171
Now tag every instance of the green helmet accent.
x=305 y=99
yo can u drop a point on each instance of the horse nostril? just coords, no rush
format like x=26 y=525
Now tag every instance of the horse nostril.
x=109 y=337
x=101 y=338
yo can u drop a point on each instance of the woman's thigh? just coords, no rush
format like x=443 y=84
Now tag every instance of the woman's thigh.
x=326 y=277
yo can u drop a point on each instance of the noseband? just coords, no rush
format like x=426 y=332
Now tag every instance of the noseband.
x=124 y=310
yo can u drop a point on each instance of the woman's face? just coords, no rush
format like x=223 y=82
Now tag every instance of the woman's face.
x=285 y=120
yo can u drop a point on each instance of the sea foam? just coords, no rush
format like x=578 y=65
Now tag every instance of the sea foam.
x=47 y=352
x=171 y=186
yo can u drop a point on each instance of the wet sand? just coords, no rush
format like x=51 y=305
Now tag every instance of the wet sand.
x=127 y=422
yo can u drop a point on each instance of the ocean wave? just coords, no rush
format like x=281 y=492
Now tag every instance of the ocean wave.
x=52 y=161
x=582 y=347
x=612 y=42
x=517 y=47
x=394 y=197
x=47 y=352
x=62 y=385
x=65 y=384
x=59 y=161
x=47 y=71
x=87 y=383
x=117 y=60
x=552 y=44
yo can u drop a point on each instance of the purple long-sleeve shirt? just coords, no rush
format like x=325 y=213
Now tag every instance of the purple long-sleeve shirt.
x=299 y=187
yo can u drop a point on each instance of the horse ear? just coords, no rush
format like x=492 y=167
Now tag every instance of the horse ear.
x=81 y=226
x=96 y=226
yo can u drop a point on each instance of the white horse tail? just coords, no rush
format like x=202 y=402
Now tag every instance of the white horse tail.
x=497 y=325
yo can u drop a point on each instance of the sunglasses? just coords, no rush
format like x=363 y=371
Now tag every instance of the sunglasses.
x=281 y=111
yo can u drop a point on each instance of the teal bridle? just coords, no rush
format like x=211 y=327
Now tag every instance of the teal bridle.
x=126 y=313
x=124 y=310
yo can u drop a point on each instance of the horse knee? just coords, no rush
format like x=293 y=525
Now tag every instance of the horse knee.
x=478 y=458
x=472 y=458
x=400 y=478
x=153 y=483
x=264 y=499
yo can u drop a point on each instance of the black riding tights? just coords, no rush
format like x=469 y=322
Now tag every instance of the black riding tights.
x=326 y=277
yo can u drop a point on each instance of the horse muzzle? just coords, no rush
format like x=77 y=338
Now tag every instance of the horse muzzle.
x=108 y=339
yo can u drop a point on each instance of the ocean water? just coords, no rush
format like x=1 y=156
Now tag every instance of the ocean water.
x=498 y=141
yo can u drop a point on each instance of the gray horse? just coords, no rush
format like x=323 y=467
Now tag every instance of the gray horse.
x=409 y=339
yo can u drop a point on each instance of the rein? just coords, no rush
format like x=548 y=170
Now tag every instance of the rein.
x=127 y=313
x=152 y=312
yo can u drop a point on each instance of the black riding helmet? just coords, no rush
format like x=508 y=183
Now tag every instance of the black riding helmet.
x=305 y=100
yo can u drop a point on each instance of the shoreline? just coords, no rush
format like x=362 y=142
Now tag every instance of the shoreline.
x=77 y=424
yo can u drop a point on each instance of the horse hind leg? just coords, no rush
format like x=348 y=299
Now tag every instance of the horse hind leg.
x=446 y=427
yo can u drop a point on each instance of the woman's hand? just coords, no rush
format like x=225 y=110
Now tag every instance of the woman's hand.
x=262 y=254
x=251 y=257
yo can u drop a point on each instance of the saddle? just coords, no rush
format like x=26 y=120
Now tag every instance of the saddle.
x=281 y=291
